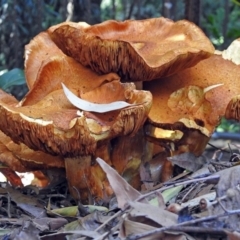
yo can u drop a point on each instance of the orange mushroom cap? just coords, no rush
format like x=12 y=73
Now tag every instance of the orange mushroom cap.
x=19 y=157
x=54 y=126
x=47 y=66
x=181 y=97
x=34 y=56
x=42 y=48
x=7 y=158
x=136 y=50
x=45 y=120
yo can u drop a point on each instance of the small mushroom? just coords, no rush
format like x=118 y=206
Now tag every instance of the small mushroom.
x=136 y=50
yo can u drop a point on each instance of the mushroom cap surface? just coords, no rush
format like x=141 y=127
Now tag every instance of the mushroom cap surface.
x=191 y=106
x=19 y=157
x=41 y=48
x=47 y=66
x=54 y=126
x=137 y=50
x=34 y=56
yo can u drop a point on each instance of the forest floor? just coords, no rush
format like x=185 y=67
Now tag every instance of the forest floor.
x=199 y=205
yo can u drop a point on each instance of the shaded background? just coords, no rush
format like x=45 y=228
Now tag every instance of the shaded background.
x=21 y=20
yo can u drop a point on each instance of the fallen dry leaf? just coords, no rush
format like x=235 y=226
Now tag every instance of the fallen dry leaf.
x=87 y=225
x=188 y=161
x=124 y=192
x=27 y=231
x=229 y=180
x=28 y=204
x=131 y=227
x=156 y=214
x=46 y=223
x=73 y=210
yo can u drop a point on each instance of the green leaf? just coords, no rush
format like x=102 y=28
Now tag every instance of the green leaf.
x=11 y=78
x=4 y=232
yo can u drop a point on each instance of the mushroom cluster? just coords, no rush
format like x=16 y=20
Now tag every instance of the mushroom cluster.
x=72 y=63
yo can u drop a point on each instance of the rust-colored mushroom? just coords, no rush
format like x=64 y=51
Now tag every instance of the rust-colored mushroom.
x=183 y=95
x=189 y=104
x=182 y=45
x=45 y=120
x=136 y=50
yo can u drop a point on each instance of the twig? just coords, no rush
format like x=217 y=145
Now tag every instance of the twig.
x=222 y=164
x=111 y=231
x=195 y=221
x=9 y=206
x=189 y=191
x=203 y=179
x=111 y=218
x=185 y=173
x=56 y=195
x=199 y=230
x=223 y=150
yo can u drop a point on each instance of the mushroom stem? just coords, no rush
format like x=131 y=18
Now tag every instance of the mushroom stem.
x=85 y=178
x=127 y=155
x=188 y=140
x=11 y=176
x=77 y=173
x=139 y=85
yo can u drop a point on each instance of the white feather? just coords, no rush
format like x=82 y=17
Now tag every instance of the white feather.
x=93 y=107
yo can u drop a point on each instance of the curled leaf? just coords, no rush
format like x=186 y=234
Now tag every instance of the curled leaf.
x=188 y=161
x=124 y=192
x=93 y=107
